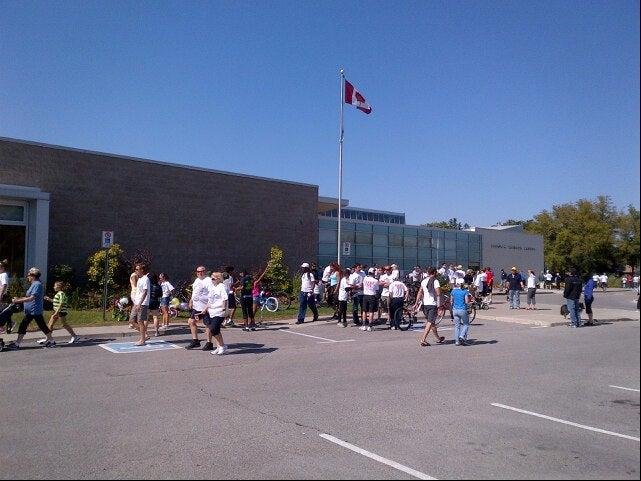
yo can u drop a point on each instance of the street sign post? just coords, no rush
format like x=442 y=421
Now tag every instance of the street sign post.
x=107 y=242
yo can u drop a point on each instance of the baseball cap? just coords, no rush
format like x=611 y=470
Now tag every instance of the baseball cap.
x=371 y=270
x=304 y=264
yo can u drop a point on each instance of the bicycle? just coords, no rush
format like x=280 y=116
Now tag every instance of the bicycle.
x=404 y=318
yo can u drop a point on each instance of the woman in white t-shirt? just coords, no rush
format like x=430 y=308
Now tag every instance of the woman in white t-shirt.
x=167 y=290
x=216 y=311
x=343 y=296
x=531 y=290
x=4 y=280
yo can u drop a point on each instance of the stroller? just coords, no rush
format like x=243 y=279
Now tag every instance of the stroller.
x=5 y=318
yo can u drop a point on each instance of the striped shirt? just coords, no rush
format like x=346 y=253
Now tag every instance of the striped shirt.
x=60 y=302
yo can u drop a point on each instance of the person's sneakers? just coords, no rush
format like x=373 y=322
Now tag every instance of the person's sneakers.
x=228 y=322
x=12 y=346
x=441 y=340
x=299 y=322
x=246 y=329
x=220 y=351
x=457 y=343
x=344 y=324
x=193 y=344
x=208 y=346
x=252 y=327
x=362 y=328
x=49 y=344
x=369 y=329
x=462 y=342
x=41 y=341
x=9 y=326
x=74 y=339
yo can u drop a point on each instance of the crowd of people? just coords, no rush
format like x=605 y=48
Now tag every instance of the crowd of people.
x=375 y=292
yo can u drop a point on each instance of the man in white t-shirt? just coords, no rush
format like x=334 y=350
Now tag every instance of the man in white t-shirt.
x=443 y=270
x=355 y=281
x=397 y=295
x=384 y=280
x=479 y=283
x=460 y=275
x=429 y=298
x=140 y=310
x=370 y=290
x=198 y=304
x=395 y=274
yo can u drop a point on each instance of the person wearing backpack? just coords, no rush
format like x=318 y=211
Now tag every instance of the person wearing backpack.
x=429 y=297
x=155 y=294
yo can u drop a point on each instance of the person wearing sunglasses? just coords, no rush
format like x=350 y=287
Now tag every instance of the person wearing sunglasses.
x=198 y=306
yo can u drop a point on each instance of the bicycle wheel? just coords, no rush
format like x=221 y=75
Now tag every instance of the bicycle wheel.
x=471 y=311
x=284 y=300
x=271 y=304
x=403 y=319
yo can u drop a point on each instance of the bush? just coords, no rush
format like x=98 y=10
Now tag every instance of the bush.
x=17 y=287
x=614 y=281
x=295 y=285
x=277 y=272
x=62 y=272
x=115 y=273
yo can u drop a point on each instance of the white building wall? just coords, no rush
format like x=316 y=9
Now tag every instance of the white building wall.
x=504 y=248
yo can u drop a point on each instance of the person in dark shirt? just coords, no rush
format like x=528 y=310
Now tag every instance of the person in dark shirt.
x=588 y=298
x=572 y=294
x=514 y=285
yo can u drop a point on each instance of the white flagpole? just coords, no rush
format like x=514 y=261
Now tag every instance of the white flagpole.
x=340 y=165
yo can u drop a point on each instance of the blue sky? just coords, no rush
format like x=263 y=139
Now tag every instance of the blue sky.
x=482 y=110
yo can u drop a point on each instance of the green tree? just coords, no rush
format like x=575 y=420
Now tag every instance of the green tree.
x=277 y=271
x=453 y=223
x=627 y=237
x=116 y=271
x=581 y=234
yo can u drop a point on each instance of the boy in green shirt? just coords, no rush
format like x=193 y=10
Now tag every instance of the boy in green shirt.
x=60 y=303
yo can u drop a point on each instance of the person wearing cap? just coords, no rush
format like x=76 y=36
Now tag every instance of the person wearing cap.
x=395 y=274
x=572 y=294
x=306 y=297
x=514 y=285
x=33 y=310
x=370 y=306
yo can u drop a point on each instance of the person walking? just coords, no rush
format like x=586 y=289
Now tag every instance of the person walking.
x=429 y=298
x=306 y=296
x=461 y=297
x=4 y=290
x=514 y=286
x=231 y=284
x=167 y=291
x=133 y=283
x=489 y=282
x=33 y=310
x=572 y=294
x=604 y=282
x=588 y=299
x=531 y=290
x=246 y=299
x=217 y=298
x=384 y=305
x=60 y=306
x=198 y=304
x=155 y=295
x=503 y=279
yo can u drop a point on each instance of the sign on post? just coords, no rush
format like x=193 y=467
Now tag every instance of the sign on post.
x=107 y=239
x=347 y=248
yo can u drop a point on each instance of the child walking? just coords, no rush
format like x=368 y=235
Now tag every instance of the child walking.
x=60 y=306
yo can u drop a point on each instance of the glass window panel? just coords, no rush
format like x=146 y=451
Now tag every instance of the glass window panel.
x=425 y=242
x=347 y=236
x=410 y=253
x=409 y=241
x=364 y=227
x=462 y=236
x=380 y=229
x=410 y=231
x=327 y=235
x=395 y=230
x=366 y=261
x=449 y=244
x=14 y=213
x=347 y=226
x=363 y=238
x=327 y=224
x=395 y=239
x=363 y=251
x=327 y=249
x=380 y=239
x=381 y=261
x=450 y=255
x=379 y=251
x=396 y=252
x=325 y=260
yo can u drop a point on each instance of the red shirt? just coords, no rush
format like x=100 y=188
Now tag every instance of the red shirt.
x=489 y=278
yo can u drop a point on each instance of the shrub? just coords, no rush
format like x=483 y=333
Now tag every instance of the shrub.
x=115 y=273
x=17 y=287
x=277 y=271
x=62 y=272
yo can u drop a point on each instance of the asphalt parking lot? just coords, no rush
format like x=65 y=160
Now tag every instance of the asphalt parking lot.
x=319 y=401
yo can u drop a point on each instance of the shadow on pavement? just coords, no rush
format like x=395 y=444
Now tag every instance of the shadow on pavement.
x=248 y=348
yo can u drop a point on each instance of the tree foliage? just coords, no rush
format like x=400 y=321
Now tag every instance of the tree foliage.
x=447 y=224
x=116 y=270
x=277 y=271
x=592 y=236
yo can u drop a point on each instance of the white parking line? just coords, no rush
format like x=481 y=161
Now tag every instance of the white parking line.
x=624 y=388
x=569 y=423
x=376 y=457
x=315 y=337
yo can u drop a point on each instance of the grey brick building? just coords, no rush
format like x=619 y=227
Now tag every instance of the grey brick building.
x=55 y=202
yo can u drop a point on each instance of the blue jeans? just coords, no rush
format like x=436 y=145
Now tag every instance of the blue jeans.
x=514 y=296
x=357 y=300
x=305 y=300
x=573 y=308
x=461 y=324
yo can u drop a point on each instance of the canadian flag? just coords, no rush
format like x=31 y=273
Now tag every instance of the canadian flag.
x=354 y=97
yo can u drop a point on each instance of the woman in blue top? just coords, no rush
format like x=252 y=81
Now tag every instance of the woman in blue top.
x=33 y=309
x=461 y=297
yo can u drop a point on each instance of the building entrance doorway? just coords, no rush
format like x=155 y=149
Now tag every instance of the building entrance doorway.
x=13 y=236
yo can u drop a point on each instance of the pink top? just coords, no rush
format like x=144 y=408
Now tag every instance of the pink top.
x=256 y=289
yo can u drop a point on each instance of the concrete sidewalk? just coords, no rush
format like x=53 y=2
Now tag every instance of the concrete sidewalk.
x=551 y=316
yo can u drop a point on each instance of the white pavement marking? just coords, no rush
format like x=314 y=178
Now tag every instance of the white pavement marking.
x=569 y=423
x=376 y=457
x=335 y=342
x=624 y=388
x=315 y=337
x=539 y=327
